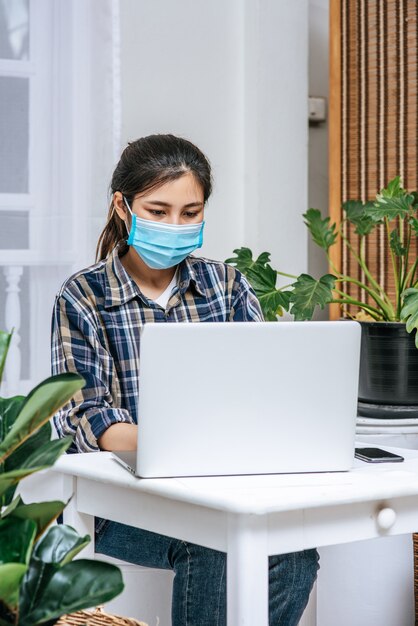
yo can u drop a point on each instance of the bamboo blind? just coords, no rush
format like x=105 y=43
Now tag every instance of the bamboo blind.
x=373 y=115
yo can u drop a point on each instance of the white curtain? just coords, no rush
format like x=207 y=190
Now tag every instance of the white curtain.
x=59 y=140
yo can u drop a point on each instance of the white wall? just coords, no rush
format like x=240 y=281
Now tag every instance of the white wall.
x=318 y=134
x=218 y=73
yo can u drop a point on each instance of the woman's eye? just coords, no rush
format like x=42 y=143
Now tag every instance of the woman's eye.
x=191 y=214
x=156 y=212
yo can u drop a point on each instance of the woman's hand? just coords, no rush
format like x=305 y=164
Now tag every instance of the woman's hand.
x=119 y=437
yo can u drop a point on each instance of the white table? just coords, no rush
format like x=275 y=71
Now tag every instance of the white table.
x=249 y=517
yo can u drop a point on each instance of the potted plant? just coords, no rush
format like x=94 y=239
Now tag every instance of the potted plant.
x=389 y=358
x=39 y=580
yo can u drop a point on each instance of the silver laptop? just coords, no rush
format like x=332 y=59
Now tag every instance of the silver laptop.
x=246 y=398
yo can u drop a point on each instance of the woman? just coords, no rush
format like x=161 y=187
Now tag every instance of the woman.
x=145 y=274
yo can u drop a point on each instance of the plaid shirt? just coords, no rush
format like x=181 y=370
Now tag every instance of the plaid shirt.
x=96 y=323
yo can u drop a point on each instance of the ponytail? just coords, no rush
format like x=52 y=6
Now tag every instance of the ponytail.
x=112 y=234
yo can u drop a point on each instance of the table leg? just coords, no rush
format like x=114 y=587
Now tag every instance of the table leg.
x=247 y=571
x=83 y=524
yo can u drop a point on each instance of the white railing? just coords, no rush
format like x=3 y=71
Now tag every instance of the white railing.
x=13 y=274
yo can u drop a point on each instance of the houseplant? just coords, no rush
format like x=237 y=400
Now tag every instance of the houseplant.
x=39 y=581
x=384 y=318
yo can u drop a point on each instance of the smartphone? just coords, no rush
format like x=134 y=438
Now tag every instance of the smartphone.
x=377 y=455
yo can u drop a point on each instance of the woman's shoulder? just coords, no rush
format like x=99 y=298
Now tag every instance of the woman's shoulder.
x=217 y=271
x=87 y=282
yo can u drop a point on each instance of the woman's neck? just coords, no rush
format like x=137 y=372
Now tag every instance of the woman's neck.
x=146 y=277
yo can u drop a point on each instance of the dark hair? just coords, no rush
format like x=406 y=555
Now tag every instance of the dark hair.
x=146 y=164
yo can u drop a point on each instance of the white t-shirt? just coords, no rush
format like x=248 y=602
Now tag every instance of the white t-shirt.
x=165 y=296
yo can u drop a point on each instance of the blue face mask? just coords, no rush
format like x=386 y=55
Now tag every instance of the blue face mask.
x=162 y=245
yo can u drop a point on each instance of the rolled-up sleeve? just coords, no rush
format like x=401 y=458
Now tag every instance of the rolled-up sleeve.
x=76 y=347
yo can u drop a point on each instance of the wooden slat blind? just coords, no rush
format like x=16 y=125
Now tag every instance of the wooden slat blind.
x=373 y=115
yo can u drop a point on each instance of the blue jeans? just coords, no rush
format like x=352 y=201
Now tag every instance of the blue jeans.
x=199 y=588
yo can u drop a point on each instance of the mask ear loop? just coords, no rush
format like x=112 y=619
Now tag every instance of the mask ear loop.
x=129 y=209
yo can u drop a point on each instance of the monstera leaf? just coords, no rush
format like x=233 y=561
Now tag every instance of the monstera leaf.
x=393 y=201
x=409 y=312
x=358 y=214
x=244 y=261
x=322 y=233
x=262 y=278
x=309 y=293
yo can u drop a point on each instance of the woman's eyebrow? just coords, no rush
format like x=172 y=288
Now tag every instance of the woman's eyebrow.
x=168 y=205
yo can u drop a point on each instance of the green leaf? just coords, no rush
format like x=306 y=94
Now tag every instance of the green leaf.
x=274 y=304
x=16 y=540
x=11 y=507
x=392 y=201
x=391 y=208
x=57 y=548
x=40 y=459
x=37 y=440
x=243 y=259
x=414 y=194
x=47 y=454
x=42 y=513
x=11 y=575
x=322 y=233
x=409 y=312
x=60 y=544
x=9 y=410
x=413 y=222
x=262 y=278
x=78 y=585
x=41 y=404
x=7 y=485
x=5 y=339
x=394 y=188
x=396 y=245
x=357 y=214
x=309 y=293
x=22 y=453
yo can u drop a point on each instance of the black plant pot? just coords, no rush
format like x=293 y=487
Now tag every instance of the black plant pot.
x=388 y=386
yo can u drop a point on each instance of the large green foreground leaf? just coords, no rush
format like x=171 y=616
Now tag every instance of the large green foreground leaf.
x=41 y=404
x=57 y=548
x=11 y=575
x=5 y=339
x=78 y=585
x=9 y=410
x=40 y=459
x=42 y=513
x=16 y=540
x=60 y=545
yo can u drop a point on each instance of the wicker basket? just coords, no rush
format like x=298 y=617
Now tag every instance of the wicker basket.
x=98 y=617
